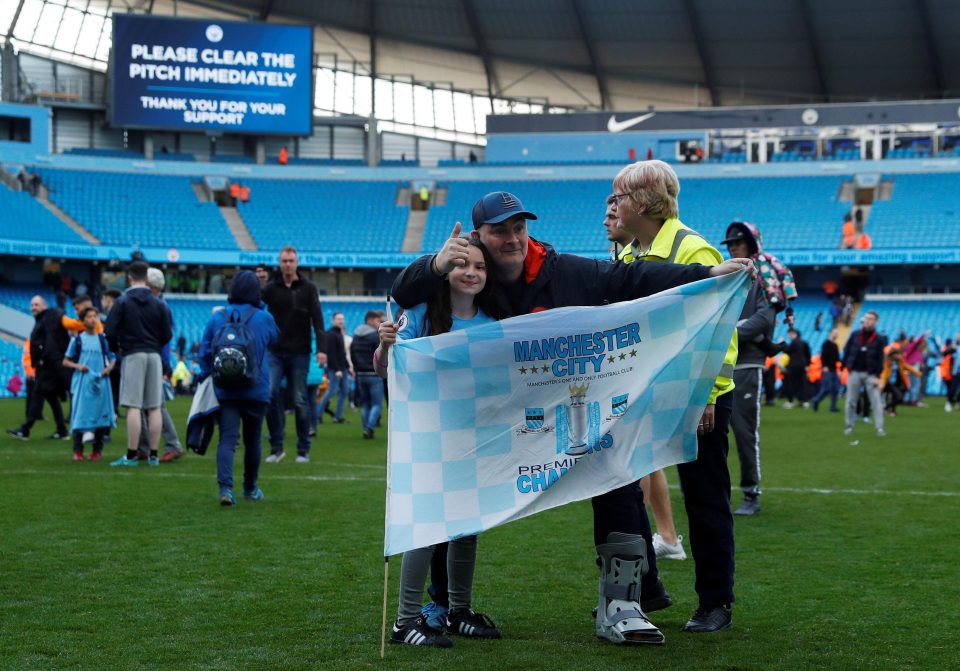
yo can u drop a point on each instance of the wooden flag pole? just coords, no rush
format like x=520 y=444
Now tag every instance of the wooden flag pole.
x=383 y=627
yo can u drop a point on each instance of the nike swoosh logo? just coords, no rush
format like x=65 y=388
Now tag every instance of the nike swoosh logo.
x=615 y=126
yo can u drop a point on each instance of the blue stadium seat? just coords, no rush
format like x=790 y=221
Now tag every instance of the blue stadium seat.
x=24 y=217
x=923 y=212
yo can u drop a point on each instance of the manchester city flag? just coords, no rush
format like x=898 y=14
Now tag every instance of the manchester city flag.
x=501 y=421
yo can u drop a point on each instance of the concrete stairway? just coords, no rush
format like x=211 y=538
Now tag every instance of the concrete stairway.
x=413 y=236
x=238 y=227
x=43 y=197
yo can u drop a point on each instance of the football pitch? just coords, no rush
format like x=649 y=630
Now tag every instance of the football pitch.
x=853 y=563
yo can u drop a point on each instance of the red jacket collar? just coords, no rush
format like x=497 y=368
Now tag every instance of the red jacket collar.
x=536 y=255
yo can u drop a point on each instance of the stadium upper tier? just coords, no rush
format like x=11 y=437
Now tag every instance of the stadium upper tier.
x=331 y=216
x=146 y=210
x=796 y=213
x=358 y=213
x=23 y=217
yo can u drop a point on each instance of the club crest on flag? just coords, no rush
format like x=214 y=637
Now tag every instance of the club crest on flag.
x=534 y=421
x=618 y=406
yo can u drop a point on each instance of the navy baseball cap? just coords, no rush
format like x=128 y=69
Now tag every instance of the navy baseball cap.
x=497 y=207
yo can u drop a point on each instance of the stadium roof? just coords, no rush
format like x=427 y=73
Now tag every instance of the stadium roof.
x=716 y=52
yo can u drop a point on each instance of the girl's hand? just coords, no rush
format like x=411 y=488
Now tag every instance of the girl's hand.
x=83 y=369
x=388 y=334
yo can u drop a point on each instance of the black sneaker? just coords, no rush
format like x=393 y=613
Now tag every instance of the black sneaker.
x=709 y=620
x=466 y=622
x=418 y=633
x=18 y=434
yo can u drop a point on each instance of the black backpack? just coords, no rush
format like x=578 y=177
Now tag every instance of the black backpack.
x=235 y=364
x=78 y=349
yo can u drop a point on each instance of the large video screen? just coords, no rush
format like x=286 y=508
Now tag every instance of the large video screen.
x=211 y=75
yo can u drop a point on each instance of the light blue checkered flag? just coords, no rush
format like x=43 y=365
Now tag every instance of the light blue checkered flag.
x=504 y=420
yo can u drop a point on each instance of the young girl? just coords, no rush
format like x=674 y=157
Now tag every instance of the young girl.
x=92 y=406
x=465 y=298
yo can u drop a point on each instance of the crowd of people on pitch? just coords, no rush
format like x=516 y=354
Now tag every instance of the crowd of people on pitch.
x=898 y=372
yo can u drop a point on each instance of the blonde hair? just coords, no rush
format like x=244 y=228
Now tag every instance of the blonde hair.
x=653 y=187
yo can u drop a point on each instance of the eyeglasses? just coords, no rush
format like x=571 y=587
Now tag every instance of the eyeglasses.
x=617 y=197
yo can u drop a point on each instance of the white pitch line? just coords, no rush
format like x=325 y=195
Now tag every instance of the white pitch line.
x=352 y=478
x=114 y=473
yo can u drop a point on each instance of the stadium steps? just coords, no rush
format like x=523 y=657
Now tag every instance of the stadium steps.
x=843 y=331
x=43 y=197
x=413 y=236
x=200 y=189
x=238 y=228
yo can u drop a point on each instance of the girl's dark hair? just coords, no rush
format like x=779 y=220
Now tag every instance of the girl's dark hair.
x=440 y=314
x=84 y=311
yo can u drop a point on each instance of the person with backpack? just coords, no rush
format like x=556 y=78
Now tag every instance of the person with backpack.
x=233 y=350
x=92 y=398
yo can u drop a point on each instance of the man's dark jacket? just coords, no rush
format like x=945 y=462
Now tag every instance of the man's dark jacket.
x=758 y=318
x=872 y=362
x=336 y=351
x=48 y=345
x=551 y=280
x=138 y=322
x=365 y=341
x=295 y=309
x=829 y=356
x=799 y=353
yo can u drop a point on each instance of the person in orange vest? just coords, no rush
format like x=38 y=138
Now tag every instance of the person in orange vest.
x=863 y=242
x=235 y=192
x=849 y=233
x=283 y=157
x=770 y=372
x=244 y=194
x=895 y=378
x=75 y=326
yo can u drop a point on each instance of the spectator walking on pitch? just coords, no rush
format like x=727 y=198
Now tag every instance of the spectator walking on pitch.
x=365 y=341
x=863 y=359
x=338 y=370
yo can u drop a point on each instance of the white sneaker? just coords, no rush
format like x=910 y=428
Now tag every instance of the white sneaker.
x=948 y=407
x=276 y=458
x=881 y=433
x=788 y=405
x=666 y=551
x=848 y=431
x=303 y=459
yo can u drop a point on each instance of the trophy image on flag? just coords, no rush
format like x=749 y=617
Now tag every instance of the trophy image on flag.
x=579 y=421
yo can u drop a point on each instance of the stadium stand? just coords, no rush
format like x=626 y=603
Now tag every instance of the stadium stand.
x=149 y=210
x=33 y=220
x=795 y=213
x=336 y=216
x=923 y=212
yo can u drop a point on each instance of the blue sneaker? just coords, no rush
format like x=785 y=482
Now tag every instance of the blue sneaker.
x=153 y=461
x=123 y=461
x=255 y=495
x=227 y=497
x=435 y=615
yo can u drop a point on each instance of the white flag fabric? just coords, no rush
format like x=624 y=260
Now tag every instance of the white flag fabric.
x=500 y=421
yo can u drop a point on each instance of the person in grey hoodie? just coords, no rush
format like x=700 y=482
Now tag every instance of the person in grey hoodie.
x=366 y=339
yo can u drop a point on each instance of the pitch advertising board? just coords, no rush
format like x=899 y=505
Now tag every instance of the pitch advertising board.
x=211 y=75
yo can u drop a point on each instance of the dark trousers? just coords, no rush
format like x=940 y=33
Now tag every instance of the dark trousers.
x=233 y=416
x=793 y=384
x=770 y=385
x=623 y=510
x=40 y=395
x=829 y=386
x=98 y=435
x=706 y=497
x=293 y=368
x=746 y=427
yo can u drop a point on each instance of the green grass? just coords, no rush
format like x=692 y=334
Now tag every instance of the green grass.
x=141 y=569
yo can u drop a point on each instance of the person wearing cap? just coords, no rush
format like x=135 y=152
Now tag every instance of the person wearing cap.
x=535 y=277
x=173 y=449
x=755 y=333
x=645 y=201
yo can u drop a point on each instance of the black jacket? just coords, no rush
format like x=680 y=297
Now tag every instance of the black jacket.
x=48 y=341
x=295 y=309
x=829 y=356
x=872 y=345
x=799 y=353
x=365 y=342
x=757 y=318
x=336 y=352
x=553 y=280
x=138 y=322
